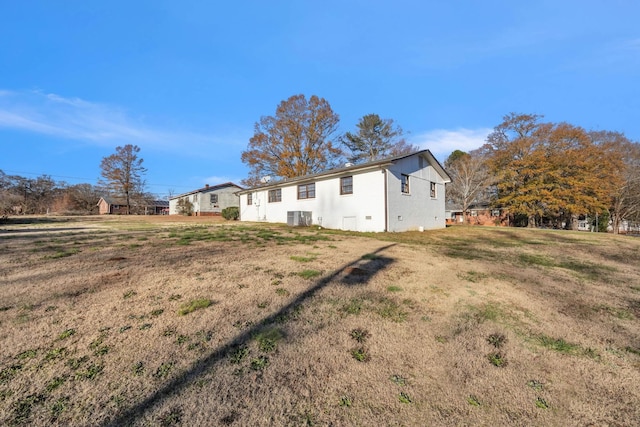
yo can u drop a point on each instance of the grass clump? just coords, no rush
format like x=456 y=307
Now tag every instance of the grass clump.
x=541 y=403
x=90 y=373
x=66 y=334
x=394 y=288
x=361 y=354
x=237 y=355
x=259 y=363
x=268 y=339
x=309 y=274
x=473 y=400
x=194 y=305
x=398 y=380
x=163 y=370
x=557 y=344
x=497 y=359
x=345 y=401
x=302 y=258
x=497 y=340
x=360 y=335
x=282 y=292
x=404 y=398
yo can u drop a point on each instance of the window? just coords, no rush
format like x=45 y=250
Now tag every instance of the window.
x=346 y=185
x=433 y=190
x=214 y=199
x=307 y=191
x=405 y=183
x=275 y=195
x=250 y=198
x=495 y=212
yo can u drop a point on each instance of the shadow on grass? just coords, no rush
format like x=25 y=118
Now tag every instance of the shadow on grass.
x=369 y=266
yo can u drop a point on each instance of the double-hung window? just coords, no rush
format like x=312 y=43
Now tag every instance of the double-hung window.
x=346 y=185
x=404 y=182
x=307 y=191
x=249 y=198
x=214 y=199
x=275 y=195
x=433 y=190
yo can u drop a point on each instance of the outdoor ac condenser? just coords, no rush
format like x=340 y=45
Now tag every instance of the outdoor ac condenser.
x=299 y=218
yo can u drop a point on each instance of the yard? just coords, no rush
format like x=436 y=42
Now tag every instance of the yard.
x=196 y=321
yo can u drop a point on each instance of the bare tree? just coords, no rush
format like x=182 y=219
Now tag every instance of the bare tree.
x=470 y=179
x=122 y=173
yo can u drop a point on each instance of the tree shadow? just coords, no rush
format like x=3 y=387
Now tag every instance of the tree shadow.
x=369 y=265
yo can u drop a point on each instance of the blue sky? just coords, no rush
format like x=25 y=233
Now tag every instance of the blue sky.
x=186 y=81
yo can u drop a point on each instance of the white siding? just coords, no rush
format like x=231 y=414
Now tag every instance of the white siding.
x=361 y=211
x=377 y=203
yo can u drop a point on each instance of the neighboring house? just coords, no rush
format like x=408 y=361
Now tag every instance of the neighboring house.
x=395 y=194
x=118 y=206
x=478 y=215
x=207 y=201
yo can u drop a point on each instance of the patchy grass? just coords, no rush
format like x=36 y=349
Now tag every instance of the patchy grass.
x=194 y=305
x=96 y=338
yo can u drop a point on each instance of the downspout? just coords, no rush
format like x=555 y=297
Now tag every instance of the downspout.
x=386 y=202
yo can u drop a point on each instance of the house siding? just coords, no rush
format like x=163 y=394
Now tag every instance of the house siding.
x=361 y=211
x=377 y=203
x=201 y=200
x=417 y=208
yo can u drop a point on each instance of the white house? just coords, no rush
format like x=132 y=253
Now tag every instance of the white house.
x=207 y=201
x=394 y=194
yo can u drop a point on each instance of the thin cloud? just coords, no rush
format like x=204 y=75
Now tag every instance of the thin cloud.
x=77 y=119
x=442 y=142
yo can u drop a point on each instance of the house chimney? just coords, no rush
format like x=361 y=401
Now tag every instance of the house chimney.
x=206 y=186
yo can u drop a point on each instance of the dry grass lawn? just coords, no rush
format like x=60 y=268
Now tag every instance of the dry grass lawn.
x=182 y=321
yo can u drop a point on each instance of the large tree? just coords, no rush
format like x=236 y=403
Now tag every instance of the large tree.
x=625 y=197
x=470 y=179
x=375 y=138
x=552 y=171
x=122 y=173
x=296 y=141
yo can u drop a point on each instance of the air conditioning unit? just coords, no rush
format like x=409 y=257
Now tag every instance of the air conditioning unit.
x=299 y=218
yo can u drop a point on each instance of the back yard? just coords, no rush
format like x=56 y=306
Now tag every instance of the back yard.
x=165 y=321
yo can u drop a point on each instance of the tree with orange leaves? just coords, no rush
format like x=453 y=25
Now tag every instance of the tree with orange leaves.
x=295 y=142
x=550 y=171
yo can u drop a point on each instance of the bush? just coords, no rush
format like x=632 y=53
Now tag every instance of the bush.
x=232 y=213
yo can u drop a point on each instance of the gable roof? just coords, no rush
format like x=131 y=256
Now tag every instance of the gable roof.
x=207 y=189
x=110 y=200
x=354 y=168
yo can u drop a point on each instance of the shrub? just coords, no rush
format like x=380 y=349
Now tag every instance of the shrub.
x=231 y=213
